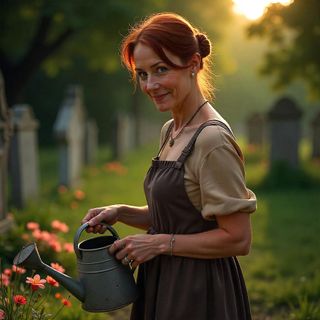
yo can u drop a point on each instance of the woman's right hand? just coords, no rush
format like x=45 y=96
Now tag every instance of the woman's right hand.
x=95 y=216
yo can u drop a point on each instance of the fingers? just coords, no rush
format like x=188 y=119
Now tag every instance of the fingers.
x=94 y=217
x=124 y=251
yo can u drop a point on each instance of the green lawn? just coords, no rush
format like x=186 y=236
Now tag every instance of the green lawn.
x=283 y=269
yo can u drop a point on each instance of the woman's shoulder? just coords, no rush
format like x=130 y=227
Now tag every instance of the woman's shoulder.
x=215 y=135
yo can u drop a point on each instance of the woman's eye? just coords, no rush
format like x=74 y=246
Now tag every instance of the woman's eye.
x=161 y=70
x=142 y=75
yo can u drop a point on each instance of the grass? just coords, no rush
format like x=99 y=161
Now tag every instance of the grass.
x=282 y=271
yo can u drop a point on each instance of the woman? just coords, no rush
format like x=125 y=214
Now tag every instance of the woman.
x=198 y=207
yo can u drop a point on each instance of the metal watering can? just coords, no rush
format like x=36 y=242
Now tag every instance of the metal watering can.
x=104 y=283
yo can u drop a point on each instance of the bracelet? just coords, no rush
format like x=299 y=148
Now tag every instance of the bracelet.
x=172 y=241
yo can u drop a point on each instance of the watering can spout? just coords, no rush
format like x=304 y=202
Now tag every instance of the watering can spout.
x=29 y=257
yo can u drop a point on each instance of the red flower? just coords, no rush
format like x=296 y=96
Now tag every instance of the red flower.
x=66 y=302
x=36 y=282
x=19 y=299
x=2 y=315
x=52 y=281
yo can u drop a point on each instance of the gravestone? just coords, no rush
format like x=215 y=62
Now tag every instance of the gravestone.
x=285 y=132
x=23 y=161
x=149 y=131
x=256 y=126
x=315 y=127
x=6 y=220
x=69 y=131
x=91 y=143
x=123 y=135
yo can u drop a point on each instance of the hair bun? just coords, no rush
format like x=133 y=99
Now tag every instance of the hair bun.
x=204 y=45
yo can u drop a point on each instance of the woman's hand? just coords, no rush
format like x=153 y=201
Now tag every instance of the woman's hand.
x=95 y=216
x=140 y=248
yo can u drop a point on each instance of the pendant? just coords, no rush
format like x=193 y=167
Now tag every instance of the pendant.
x=171 y=142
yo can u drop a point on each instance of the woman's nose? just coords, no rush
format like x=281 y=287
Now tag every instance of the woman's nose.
x=152 y=84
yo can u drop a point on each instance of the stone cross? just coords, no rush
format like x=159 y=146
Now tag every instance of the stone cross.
x=69 y=131
x=285 y=132
x=24 y=163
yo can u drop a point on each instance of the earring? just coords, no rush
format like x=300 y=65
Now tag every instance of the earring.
x=192 y=74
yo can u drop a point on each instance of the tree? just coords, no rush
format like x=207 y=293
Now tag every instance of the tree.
x=293 y=32
x=52 y=33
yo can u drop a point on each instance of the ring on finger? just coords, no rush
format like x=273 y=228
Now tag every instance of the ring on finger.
x=125 y=260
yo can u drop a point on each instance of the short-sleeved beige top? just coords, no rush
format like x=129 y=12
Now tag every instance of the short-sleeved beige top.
x=214 y=172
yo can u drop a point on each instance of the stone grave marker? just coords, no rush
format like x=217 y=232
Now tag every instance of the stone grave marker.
x=69 y=131
x=285 y=132
x=24 y=163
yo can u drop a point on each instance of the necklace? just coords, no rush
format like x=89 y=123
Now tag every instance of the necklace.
x=172 y=139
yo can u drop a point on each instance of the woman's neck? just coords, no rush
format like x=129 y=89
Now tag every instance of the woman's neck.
x=184 y=112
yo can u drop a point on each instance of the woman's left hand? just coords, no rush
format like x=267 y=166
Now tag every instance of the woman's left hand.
x=140 y=248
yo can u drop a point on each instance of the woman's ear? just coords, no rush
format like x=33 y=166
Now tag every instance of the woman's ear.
x=195 y=62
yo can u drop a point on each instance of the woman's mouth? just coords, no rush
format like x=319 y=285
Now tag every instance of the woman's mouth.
x=159 y=98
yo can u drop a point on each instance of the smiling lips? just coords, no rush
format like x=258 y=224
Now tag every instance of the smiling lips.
x=159 y=97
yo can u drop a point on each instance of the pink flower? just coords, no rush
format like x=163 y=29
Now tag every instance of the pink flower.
x=59 y=226
x=19 y=299
x=55 y=245
x=52 y=281
x=57 y=267
x=37 y=234
x=68 y=247
x=4 y=280
x=33 y=225
x=36 y=282
x=2 y=315
x=19 y=270
x=45 y=236
x=7 y=272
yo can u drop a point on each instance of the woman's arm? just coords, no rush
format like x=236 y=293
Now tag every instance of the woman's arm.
x=135 y=216
x=131 y=215
x=231 y=238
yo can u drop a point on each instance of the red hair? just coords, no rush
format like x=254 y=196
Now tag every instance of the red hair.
x=173 y=33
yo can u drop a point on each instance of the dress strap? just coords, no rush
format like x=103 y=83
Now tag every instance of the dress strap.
x=188 y=149
x=166 y=138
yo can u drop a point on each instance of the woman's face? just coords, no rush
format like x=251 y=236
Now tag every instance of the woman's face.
x=167 y=87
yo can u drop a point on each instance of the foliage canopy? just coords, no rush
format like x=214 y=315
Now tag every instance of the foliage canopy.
x=294 y=35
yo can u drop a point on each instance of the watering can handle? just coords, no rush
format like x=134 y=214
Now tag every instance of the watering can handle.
x=82 y=228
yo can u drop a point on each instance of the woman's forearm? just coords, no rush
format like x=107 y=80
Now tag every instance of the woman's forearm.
x=134 y=216
x=229 y=239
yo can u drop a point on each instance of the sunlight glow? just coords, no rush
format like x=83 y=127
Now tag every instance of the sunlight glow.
x=254 y=9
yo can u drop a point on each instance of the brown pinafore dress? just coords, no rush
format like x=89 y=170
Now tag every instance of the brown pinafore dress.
x=182 y=288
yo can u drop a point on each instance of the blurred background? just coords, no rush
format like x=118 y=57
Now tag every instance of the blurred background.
x=75 y=133
x=48 y=45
